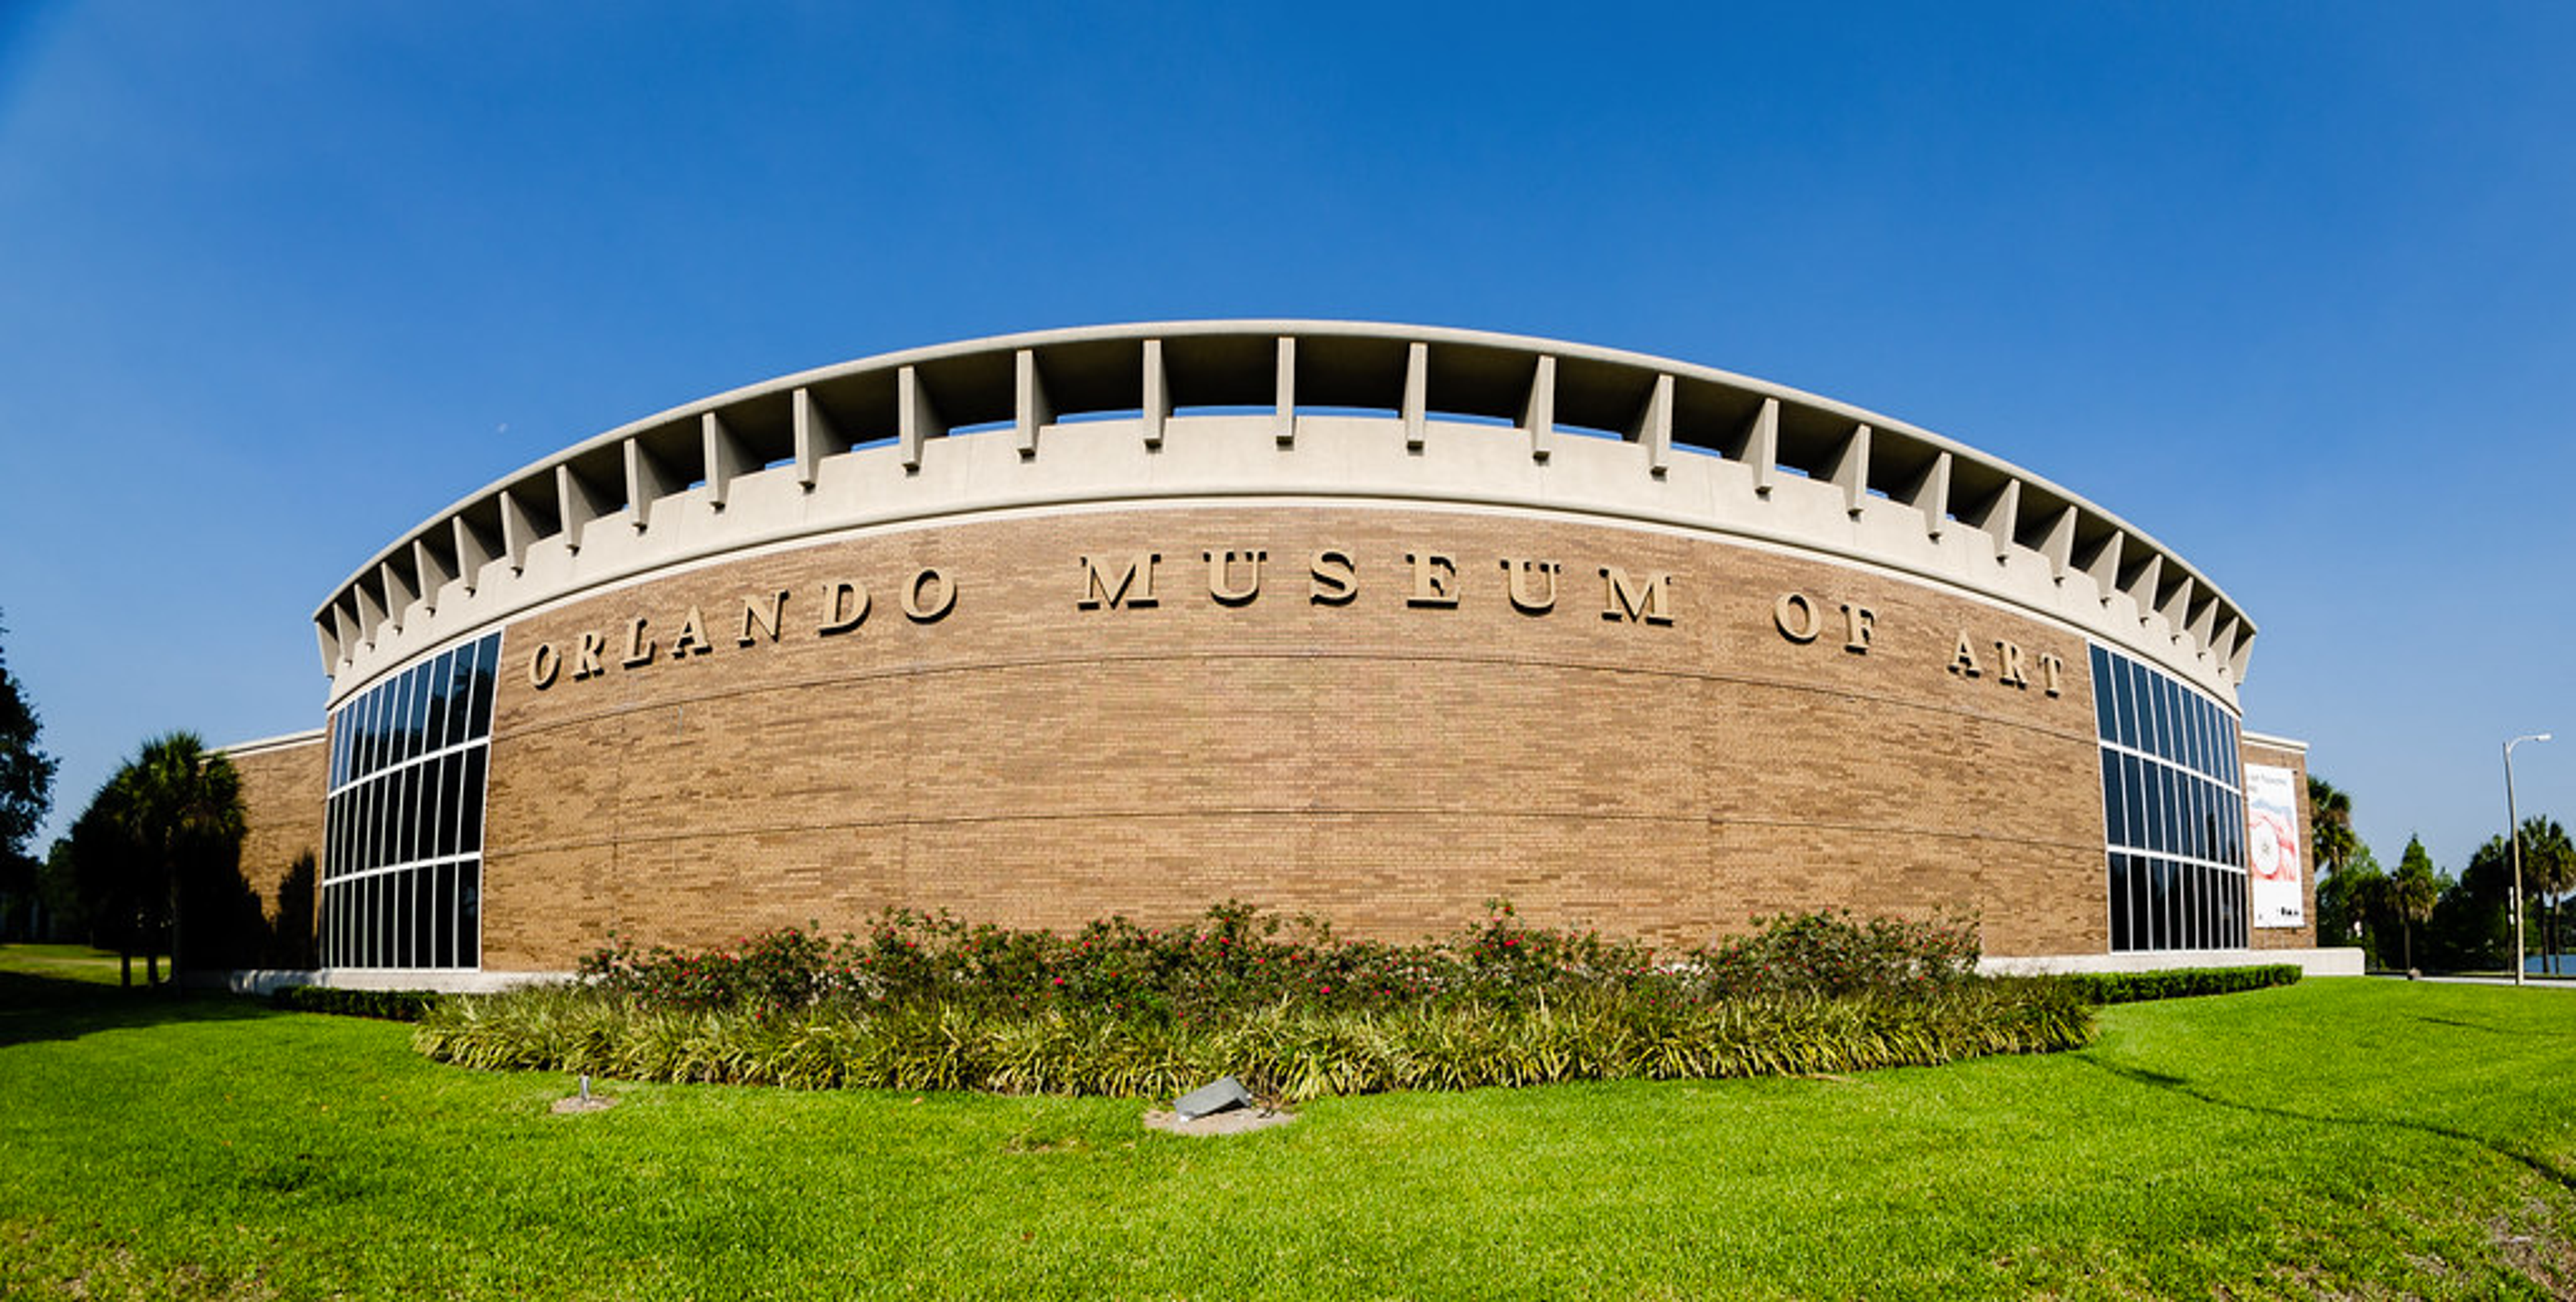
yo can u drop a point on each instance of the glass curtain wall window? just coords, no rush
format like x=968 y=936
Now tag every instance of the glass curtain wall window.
x=2173 y=810
x=402 y=863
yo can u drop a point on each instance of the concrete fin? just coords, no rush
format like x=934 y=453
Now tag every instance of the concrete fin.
x=2142 y=585
x=648 y=481
x=582 y=502
x=1030 y=408
x=1283 y=426
x=1930 y=494
x=518 y=530
x=1417 y=393
x=2240 y=655
x=1850 y=471
x=816 y=437
x=2203 y=624
x=2104 y=564
x=398 y=593
x=345 y=632
x=474 y=550
x=2222 y=640
x=436 y=570
x=371 y=611
x=1157 y=402
x=1999 y=517
x=326 y=638
x=1538 y=415
x=1759 y=446
x=1654 y=428
x=2059 y=545
x=2177 y=605
x=917 y=419
x=726 y=457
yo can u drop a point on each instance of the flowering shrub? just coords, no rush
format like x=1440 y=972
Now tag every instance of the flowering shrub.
x=1238 y=957
x=1828 y=953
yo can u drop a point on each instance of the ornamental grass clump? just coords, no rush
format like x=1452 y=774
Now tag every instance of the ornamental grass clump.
x=925 y=1001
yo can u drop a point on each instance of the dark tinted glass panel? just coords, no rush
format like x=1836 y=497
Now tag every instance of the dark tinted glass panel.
x=2142 y=902
x=2134 y=773
x=433 y=693
x=407 y=817
x=469 y=825
x=469 y=914
x=2119 y=901
x=2103 y=705
x=460 y=696
x=487 y=659
x=2133 y=705
x=442 y=916
x=2115 y=805
x=442 y=815
x=424 y=917
x=2159 y=793
x=406 y=726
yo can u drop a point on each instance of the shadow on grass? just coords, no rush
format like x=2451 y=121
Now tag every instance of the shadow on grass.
x=2541 y=1166
x=2517 y=1032
x=36 y=1008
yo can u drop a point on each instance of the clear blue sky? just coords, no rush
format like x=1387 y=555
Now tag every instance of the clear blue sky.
x=2292 y=287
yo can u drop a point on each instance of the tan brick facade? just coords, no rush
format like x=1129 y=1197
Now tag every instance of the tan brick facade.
x=2297 y=762
x=281 y=792
x=1386 y=764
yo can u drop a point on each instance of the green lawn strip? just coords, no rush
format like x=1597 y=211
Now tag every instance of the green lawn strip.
x=2334 y=1137
x=67 y=963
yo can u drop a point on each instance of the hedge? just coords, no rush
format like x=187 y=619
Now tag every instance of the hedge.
x=2179 y=982
x=390 y=1005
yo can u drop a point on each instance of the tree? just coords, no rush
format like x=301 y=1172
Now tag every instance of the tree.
x=182 y=802
x=106 y=874
x=169 y=814
x=2548 y=872
x=2330 y=824
x=2352 y=900
x=26 y=793
x=2414 y=890
x=2472 y=925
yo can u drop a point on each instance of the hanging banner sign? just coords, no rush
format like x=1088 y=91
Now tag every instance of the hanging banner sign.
x=2272 y=846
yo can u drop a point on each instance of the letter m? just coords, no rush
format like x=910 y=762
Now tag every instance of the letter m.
x=1105 y=587
x=1650 y=601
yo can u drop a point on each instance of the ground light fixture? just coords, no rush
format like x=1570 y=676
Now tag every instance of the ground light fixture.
x=2513 y=833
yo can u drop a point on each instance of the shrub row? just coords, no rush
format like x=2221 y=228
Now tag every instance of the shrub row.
x=1241 y=958
x=2178 y=983
x=391 y=1005
x=1289 y=1051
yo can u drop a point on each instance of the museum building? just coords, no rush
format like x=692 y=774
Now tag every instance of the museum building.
x=1371 y=622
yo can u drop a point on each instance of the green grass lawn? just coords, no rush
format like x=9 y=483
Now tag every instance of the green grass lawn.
x=2336 y=1138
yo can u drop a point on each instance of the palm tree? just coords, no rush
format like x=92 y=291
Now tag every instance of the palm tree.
x=2415 y=890
x=2330 y=823
x=2548 y=867
x=175 y=801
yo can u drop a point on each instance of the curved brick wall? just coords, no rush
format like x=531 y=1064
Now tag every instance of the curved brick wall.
x=1027 y=759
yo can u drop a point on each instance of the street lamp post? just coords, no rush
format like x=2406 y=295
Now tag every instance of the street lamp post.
x=2513 y=831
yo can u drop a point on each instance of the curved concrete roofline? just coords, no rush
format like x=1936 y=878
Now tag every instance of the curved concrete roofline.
x=1162 y=369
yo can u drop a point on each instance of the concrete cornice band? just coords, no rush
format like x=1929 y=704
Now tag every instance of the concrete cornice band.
x=264 y=745
x=1306 y=409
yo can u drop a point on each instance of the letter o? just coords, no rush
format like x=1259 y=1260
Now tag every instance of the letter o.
x=1796 y=617
x=920 y=611
x=543 y=664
